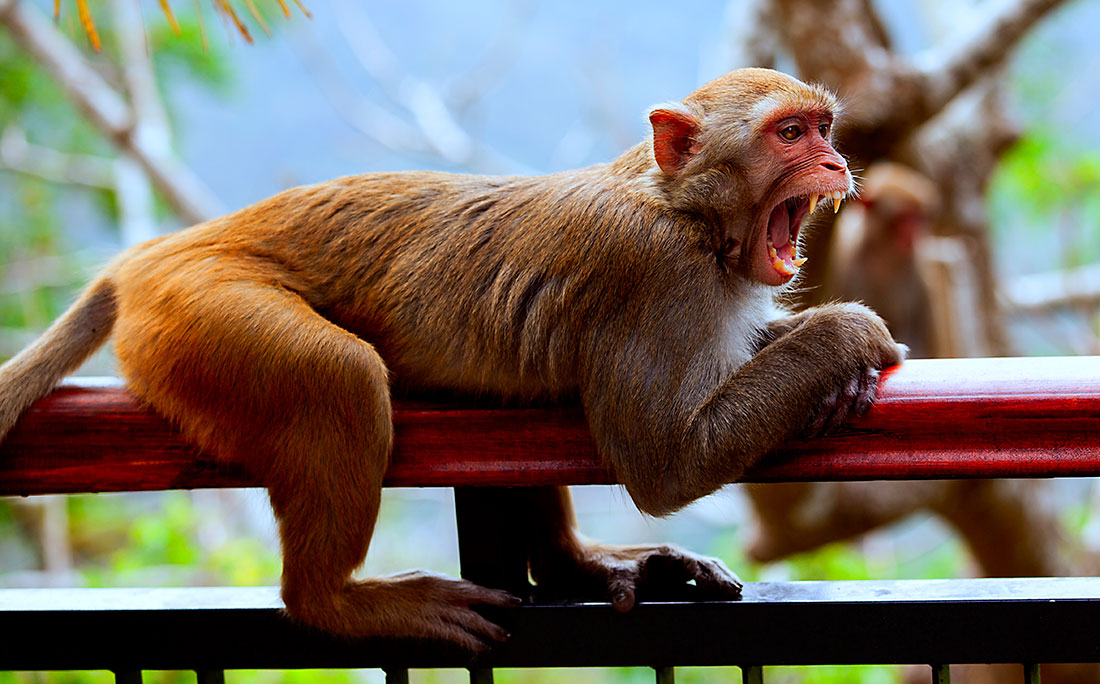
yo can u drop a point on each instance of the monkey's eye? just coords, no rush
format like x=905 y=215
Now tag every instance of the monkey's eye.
x=823 y=129
x=790 y=133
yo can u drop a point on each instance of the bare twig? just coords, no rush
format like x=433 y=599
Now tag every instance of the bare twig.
x=104 y=108
x=433 y=131
x=432 y=117
x=368 y=118
x=437 y=125
x=494 y=62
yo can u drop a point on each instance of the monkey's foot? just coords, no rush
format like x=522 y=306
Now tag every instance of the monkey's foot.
x=412 y=604
x=626 y=574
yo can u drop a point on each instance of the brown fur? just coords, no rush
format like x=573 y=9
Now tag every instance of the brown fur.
x=272 y=336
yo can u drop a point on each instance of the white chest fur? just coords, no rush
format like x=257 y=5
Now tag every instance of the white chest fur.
x=749 y=310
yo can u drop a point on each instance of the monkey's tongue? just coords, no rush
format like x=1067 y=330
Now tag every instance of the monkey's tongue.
x=780 y=250
x=779 y=226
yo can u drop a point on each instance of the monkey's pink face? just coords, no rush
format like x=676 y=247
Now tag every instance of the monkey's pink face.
x=803 y=170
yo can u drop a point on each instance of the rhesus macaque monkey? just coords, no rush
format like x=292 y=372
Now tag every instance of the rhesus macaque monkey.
x=645 y=287
x=874 y=256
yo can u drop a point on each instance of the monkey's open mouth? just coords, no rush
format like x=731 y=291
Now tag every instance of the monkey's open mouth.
x=783 y=226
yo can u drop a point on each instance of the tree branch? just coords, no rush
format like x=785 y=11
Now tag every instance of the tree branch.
x=20 y=156
x=947 y=72
x=432 y=117
x=104 y=108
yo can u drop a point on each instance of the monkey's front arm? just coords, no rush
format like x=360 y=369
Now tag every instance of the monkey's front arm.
x=820 y=367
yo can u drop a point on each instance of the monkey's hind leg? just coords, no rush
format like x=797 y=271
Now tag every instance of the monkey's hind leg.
x=254 y=374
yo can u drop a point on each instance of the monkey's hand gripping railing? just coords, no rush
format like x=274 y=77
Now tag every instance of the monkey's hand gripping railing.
x=934 y=419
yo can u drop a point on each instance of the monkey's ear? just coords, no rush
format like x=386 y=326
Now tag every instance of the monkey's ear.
x=674 y=136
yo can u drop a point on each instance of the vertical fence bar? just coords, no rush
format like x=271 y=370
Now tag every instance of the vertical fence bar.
x=1031 y=673
x=665 y=675
x=397 y=675
x=127 y=676
x=491 y=534
x=481 y=675
x=941 y=674
x=210 y=676
x=752 y=674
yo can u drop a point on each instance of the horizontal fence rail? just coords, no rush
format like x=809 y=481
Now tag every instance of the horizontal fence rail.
x=785 y=623
x=1011 y=417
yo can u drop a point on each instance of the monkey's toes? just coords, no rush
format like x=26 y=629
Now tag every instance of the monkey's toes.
x=470 y=630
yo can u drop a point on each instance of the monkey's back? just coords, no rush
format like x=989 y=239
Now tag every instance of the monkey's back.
x=470 y=283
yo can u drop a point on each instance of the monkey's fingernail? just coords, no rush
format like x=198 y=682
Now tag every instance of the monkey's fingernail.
x=813 y=202
x=799 y=262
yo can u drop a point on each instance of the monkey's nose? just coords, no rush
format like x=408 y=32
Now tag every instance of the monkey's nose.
x=832 y=166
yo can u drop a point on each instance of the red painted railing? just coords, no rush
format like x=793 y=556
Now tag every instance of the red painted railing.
x=1013 y=417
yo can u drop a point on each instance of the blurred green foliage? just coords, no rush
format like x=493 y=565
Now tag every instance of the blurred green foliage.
x=1047 y=185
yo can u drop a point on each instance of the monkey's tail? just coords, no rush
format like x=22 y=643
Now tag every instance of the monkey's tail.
x=33 y=372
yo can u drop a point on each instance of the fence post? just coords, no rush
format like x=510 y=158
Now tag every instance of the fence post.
x=210 y=676
x=481 y=675
x=397 y=675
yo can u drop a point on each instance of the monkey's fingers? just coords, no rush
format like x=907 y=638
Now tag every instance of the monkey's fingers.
x=825 y=416
x=853 y=399
x=892 y=355
x=865 y=394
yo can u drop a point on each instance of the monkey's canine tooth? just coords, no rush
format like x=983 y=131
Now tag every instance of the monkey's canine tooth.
x=798 y=262
x=836 y=202
x=813 y=202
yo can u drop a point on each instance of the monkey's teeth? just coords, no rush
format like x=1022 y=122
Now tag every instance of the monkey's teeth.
x=813 y=202
x=772 y=253
x=798 y=262
x=836 y=201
